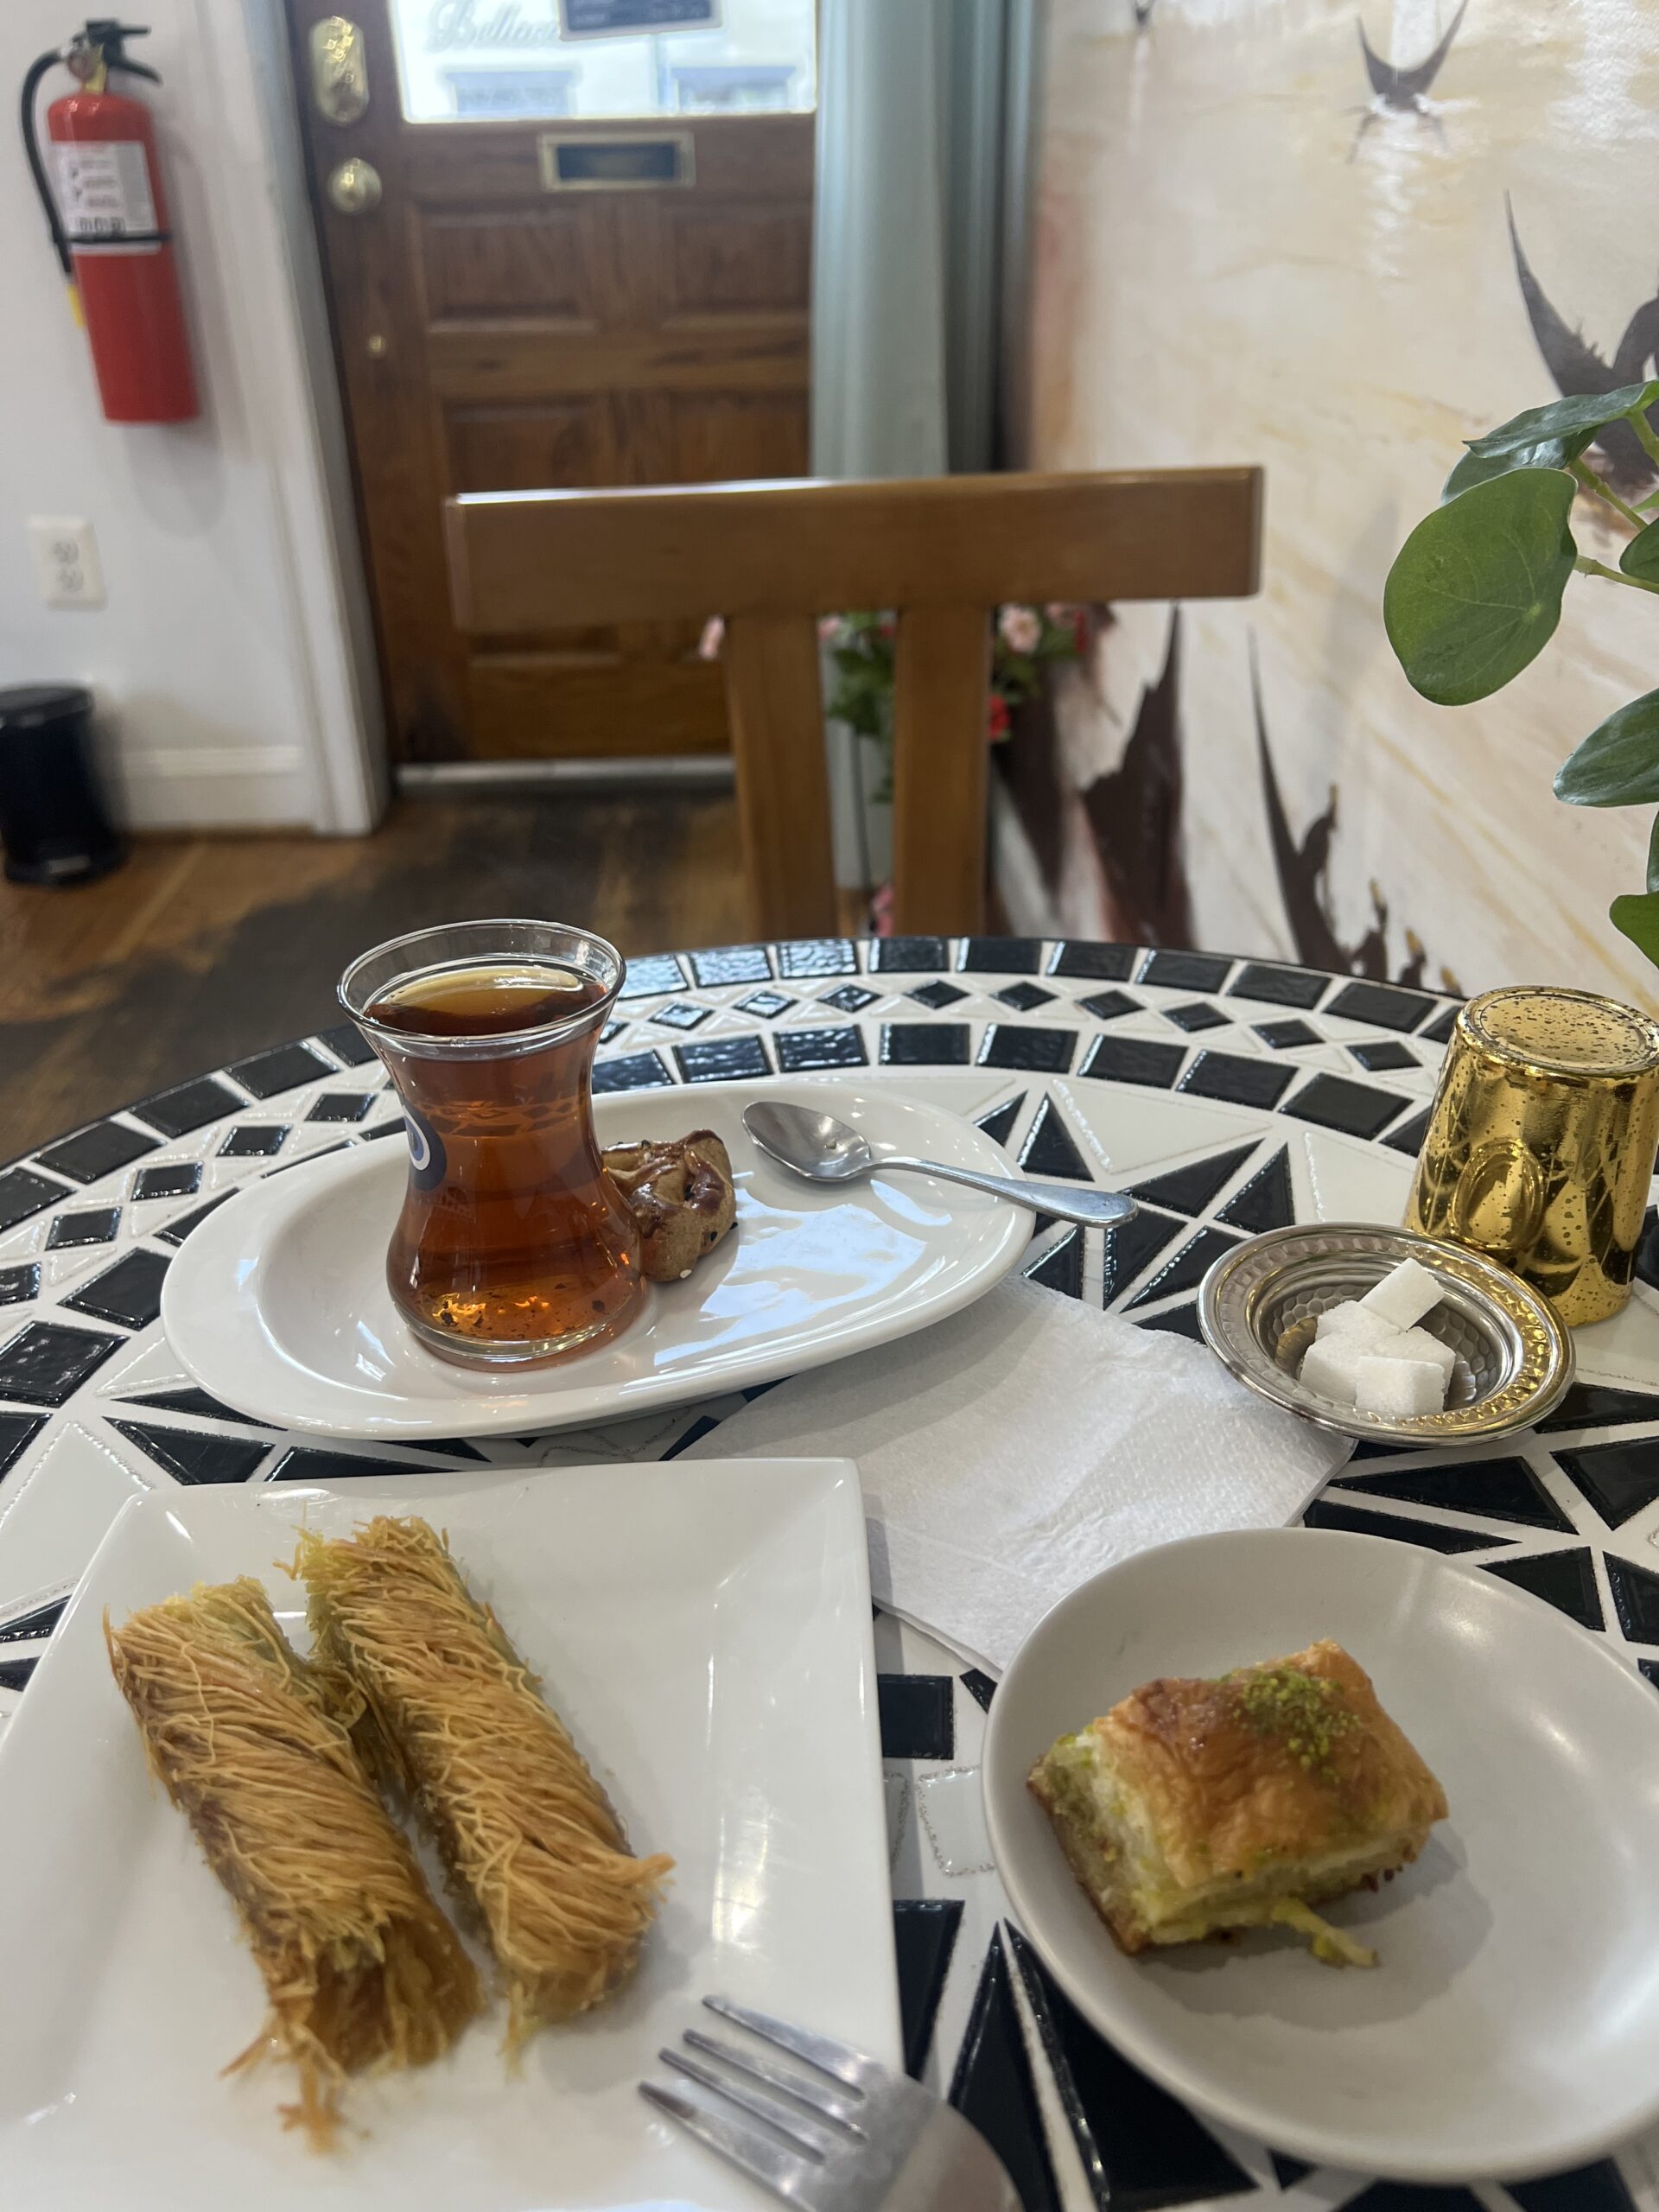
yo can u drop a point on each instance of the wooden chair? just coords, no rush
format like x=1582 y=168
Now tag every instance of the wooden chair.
x=771 y=557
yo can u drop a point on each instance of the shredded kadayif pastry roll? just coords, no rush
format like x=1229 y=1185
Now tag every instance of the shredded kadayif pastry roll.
x=360 y=1966
x=456 y=1721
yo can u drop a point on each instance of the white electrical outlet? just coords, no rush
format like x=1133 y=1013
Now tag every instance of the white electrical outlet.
x=65 y=560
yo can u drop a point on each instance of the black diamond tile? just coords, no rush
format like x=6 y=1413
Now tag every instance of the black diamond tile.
x=1288 y=2171
x=31 y=1627
x=1280 y=986
x=189 y=1400
x=16 y=1431
x=722 y=1059
x=1190 y=1189
x=925 y=1044
x=800 y=1050
x=993 y=2086
x=1408 y=1137
x=1198 y=1014
x=98 y=1151
x=979 y=1687
x=19 y=1285
x=650 y=978
x=23 y=1193
x=1378 y=1059
x=457 y=1447
x=1327 y=1513
x=935 y=995
x=44 y=1364
x=1635 y=1595
x=1104 y=963
x=1600 y=1405
x=193 y=1455
x=817 y=955
x=1599 y=2188
x=1284 y=1036
x=1126 y=1249
x=1044 y=1051
x=1184 y=971
x=1619 y=1479
x=909 y=955
x=177 y=1180
x=1139 y=2148
x=1132 y=1059
x=96 y=1226
x=1647 y=1250
x=918 y=1717
x=1242 y=1082
x=1001 y=956
x=130 y=1292
x=1050 y=1149
x=386 y=1130
x=1061 y=1266
x=767 y=1004
x=847 y=998
x=1413 y=2197
x=1179 y=1321
x=188 y=1106
x=1385 y=1004
x=283 y=1068
x=610 y=1029
x=1022 y=997
x=731 y=964
x=924 y=1935
x=1265 y=1201
x=254 y=1140
x=348 y=1044
x=14 y=1673
x=998 y=1124
x=1335 y=1103
x=1188 y=1268
x=342 y=1106
x=176 y=1231
x=1501 y=1490
x=682 y=1014
x=1109 y=1006
x=306 y=1463
x=1649 y=1669
x=1440 y=1031
x=633 y=1072
x=1567 y=1579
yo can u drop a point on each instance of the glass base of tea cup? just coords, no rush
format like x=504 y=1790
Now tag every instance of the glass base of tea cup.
x=531 y=1351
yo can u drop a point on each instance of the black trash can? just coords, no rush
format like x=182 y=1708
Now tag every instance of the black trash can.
x=53 y=822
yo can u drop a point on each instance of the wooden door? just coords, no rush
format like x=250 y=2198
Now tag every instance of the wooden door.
x=518 y=312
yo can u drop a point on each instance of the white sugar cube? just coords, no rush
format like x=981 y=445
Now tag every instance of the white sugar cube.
x=1351 y=1320
x=1404 y=1295
x=1330 y=1367
x=1417 y=1344
x=1398 y=1388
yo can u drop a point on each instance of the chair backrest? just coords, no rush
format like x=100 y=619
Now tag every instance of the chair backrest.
x=941 y=553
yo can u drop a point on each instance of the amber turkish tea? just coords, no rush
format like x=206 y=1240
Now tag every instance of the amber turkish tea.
x=512 y=1245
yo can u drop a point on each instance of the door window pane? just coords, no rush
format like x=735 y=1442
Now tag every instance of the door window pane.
x=472 y=60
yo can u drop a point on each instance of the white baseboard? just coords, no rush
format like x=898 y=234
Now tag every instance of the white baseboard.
x=147 y=763
x=211 y=787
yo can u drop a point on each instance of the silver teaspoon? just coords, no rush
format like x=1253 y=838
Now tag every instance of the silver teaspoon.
x=824 y=1150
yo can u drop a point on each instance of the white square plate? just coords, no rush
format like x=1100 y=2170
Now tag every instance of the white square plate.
x=703 y=1629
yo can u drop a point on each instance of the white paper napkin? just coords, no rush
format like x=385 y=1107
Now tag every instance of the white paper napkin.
x=1012 y=1451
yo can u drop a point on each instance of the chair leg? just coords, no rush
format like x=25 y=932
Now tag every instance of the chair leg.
x=776 y=712
x=941 y=684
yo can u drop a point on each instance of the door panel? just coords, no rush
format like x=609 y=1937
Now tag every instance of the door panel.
x=494 y=335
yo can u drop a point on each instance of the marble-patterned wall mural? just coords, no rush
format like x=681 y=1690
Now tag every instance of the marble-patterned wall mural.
x=1336 y=241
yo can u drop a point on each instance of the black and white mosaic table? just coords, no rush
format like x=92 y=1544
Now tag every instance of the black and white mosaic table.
x=1231 y=1096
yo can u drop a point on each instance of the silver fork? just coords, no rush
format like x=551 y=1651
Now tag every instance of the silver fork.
x=847 y=2135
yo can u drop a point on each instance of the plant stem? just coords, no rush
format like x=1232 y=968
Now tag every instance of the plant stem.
x=1587 y=567
x=1591 y=482
x=1645 y=430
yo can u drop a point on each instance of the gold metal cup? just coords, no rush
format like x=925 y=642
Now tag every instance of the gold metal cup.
x=1540 y=1147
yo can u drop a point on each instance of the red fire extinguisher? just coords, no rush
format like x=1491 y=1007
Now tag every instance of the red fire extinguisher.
x=108 y=220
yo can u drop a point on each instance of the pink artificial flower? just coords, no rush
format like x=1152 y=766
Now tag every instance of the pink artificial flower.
x=714 y=635
x=1021 y=628
x=1058 y=613
x=828 y=628
x=881 y=911
x=888 y=625
x=996 y=719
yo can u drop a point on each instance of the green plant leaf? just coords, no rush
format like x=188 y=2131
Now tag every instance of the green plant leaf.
x=1638 y=915
x=1641 y=557
x=1653 y=856
x=1481 y=467
x=1590 y=410
x=1617 y=764
x=1475 y=592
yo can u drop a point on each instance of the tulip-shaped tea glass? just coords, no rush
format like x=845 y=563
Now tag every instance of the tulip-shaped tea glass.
x=513 y=1246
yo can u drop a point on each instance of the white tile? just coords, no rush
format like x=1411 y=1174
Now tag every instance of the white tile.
x=1337 y=1178
x=55 y=1509
x=951 y=1809
x=1132 y=1131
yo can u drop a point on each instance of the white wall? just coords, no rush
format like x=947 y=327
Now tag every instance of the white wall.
x=233 y=660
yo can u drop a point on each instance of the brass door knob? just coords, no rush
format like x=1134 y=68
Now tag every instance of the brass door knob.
x=354 y=188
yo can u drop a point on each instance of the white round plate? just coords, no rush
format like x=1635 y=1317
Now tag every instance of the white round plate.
x=1512 y=2025
x=278 y=1303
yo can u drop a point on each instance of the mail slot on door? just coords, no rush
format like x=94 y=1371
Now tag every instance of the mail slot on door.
x=573 y=163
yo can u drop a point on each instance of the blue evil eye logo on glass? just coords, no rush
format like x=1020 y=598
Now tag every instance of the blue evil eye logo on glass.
x=427 y=1161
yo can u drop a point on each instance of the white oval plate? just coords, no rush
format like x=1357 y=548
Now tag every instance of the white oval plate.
x=1512 y=2023
x=278 y=1303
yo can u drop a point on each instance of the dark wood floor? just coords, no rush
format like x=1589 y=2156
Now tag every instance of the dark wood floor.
x=202 y=948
